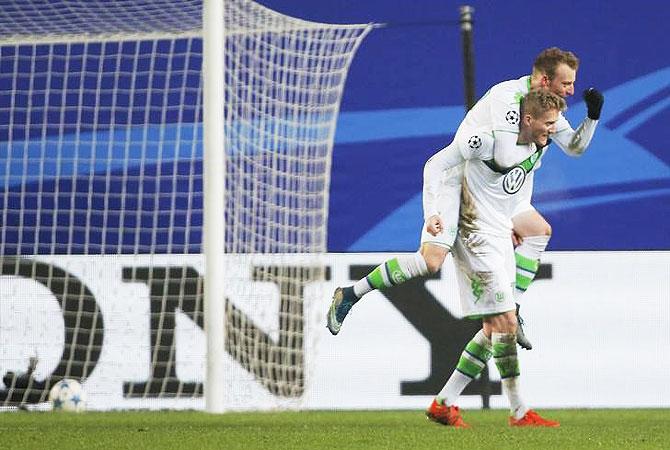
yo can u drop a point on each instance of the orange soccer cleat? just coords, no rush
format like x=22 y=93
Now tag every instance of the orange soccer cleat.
x=446 y=415
x=533 y=419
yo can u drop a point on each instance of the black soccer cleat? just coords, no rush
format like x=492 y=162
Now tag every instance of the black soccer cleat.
x=521 y=338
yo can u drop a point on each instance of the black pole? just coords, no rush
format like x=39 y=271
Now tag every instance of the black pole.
x=468 y=58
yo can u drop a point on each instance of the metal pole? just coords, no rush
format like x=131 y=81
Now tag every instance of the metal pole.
x=468 y=59
x=214 y=170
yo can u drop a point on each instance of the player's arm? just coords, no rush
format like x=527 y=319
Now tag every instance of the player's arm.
x=437 y=168
x=575 y=142
x=443 y=174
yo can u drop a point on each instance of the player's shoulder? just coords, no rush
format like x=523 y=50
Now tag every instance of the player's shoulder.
x=504 y=102
x=476 y=142
x=510 y=91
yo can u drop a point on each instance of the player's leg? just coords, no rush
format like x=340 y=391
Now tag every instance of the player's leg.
x=534 y=233
x=472 y=361
x=391 y=272
x=485 y=290
x=427 y=260
x=502 y=330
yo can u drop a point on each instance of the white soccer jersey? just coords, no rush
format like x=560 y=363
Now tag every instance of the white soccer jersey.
x=499 y=110
x=491 y=192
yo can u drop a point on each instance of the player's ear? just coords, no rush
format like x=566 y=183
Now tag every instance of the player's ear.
x=545 y=81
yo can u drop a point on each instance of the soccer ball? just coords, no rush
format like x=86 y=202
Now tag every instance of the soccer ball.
x=68 y=395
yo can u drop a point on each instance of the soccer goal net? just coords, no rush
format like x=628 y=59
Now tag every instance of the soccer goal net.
x=101 y=199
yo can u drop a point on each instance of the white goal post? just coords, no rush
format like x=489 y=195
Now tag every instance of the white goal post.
x=164 y=171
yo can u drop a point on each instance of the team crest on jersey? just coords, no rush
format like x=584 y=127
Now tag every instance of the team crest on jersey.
x=475 y=142
x=512 y=117
x=513 y=180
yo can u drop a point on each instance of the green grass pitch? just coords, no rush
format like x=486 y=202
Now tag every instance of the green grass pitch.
x=580 y=429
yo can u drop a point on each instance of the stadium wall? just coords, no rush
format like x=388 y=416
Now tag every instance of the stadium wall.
x=598 y=320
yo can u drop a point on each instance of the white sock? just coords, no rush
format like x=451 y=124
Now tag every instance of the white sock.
x=527 y=262
x=507 y=362
x=453 y=388
x=517 y=407
x=472 y=361
x=391 y=272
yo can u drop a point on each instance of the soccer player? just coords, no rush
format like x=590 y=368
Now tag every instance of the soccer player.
x=493 y=179
x=553 y=70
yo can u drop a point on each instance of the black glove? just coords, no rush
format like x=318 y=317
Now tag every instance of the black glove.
x=594 y=102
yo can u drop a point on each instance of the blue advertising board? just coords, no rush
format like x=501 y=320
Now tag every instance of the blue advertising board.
x=404 y=100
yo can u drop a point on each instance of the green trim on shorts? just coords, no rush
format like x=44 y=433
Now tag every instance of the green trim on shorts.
x=484 y=316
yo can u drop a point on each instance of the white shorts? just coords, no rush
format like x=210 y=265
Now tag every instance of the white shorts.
x=449 y=204
x=486 y=273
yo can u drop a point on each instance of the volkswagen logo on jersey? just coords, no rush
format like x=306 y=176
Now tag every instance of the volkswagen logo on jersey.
x=513 y=180
x=512 y=117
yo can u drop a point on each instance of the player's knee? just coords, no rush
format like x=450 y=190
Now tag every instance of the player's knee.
x=434 y=263
x=434 y=257
x=542 y=227
x=511 y=323
x=501 y=323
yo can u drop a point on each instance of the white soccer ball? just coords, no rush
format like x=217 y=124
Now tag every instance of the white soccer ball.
x=68 y=395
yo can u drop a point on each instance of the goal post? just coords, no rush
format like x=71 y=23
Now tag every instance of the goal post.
x=214 y=194
x=164 y=171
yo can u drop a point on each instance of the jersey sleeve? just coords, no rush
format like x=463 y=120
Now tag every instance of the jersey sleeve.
x=505 y=116
x=439 y=173
x=574 y=142
x=434 y=172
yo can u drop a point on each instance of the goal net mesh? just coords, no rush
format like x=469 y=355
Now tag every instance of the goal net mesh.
x=101 y=199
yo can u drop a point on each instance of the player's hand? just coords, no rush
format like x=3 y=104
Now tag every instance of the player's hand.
x=516 y=239
x=434 y=225
x=594 y=102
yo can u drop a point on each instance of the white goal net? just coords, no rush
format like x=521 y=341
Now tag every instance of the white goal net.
x=101 y=199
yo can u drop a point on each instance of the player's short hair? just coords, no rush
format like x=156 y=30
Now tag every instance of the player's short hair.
x=549 y=59
x=539 y=101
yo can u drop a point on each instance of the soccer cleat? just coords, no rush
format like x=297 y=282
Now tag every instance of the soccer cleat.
x=521 y=338
x=343 y=300
x=533 y=419
x=446 y=415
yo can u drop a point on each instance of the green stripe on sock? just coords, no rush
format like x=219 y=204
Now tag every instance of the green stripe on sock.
x=468 y=367
x=531 y=265
x=508 y=366
x=502 y=349
x=478 y=351
x=505 y=357
x=522 y=282
x=395 y=273
x=375 y=279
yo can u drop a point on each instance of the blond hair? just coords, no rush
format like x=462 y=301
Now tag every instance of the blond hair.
x=549 y=59
x=538 y=102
